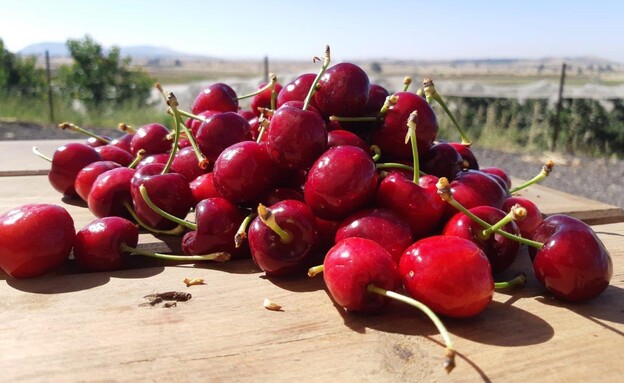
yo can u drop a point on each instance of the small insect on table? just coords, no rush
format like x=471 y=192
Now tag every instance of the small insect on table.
x=145 y=324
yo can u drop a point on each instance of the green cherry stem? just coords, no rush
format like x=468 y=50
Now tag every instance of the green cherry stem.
x=178 y=230
x=326 y=61
x=171 y=217
x=353 y=119
x=518 y=281
x=315 y=270
x=516 y=213
x=76 y=128
x=376 y=152
x=268 y=218
x=172 y=101
x=546 y=170
x=217 y=256
x=432 y=94
x=407 y=81
x=388 y=103
x=444 y=191
x=241 y=233
x=138 y=158
x=449 y=362
x=126 y=128
x=270 y=85
x=39 y=154
x=412 y=122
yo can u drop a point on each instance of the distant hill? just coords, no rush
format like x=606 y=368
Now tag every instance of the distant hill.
x=139 y=51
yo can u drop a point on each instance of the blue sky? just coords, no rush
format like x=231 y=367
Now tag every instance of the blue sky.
x=422 y=30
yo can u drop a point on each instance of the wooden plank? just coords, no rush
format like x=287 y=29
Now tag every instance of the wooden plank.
x=92 y=327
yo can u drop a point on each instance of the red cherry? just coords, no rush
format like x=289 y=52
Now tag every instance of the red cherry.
x=532 y=219
x=342 y=90
x=186 y=163
x=95 y=142
x=35 y=239
x=451 y=275
x=123 y=142
x=243 y=172
x=380 y=225
x=390 y=137
x=341 y=181
x=500 y=251
x=194 y=124
x=160 y=158
x=153 y=138
x=282 y=237
x=67 y=161
x=275 y=195
x=87 y=176
x=353 y=264
x=344 y=137
x=296 y=90
x=466 y=154
x=473 y=188
x=573 y=263
x=110 y=193
x=220 y=131
x=296 y=137
x=218 y=97
x=495 y=170
x=441 y=160
x=203 y=187
x=263 y=99
x=115 y=154
x=98 y=245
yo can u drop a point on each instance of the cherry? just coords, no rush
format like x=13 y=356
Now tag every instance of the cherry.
x=115 y=154
x=282 y=237
x=473 y=188
x=278 y=194
x=247 y=114
x=442 y=160
x=296 y=90
x=95 y=142
x=532 y=219
x=243 y=172
x=203 y=187
x=501 y=251
x=264 y=99
x=380 y=225
x=186 y=163
x=35 y=239
x=217 y=221
x=342 y=90
x=221 y=130
x=218 y=97
x=341 y=181
x=467 y=155
x=390 y=136
x=451 y=275
x=153 y=138
x=67 y=162
x=195 y=123
x=495 y=170
x=160 y=158
x=110 y=193
x=572 y=263
x=296 y=137
x=123 y=142
x=345 y=137
x=87 y=176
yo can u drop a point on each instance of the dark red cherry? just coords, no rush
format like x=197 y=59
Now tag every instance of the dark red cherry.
x=217 y=222
x=296 y=90
x=263 y=99
x=495 y=170
x=380 y=225
x=473 y=188
x=532 y=219
x=342 y=90
x=419 y=204
x=153 y=138
x=377 y=95
x=115 y=154
x=344 y=137
x=354 y=263
x=94 y=142
x=340 y=182
x=217 y=97
x=243 y=172
x=203 y=187
x=35 y=239
x=573 y=263
x=390 y=137
x=194 y=124
x=441 y=160
x=110 y=193
x=467 y=155
x=451 y=275
x=275 y=195
x=296 y=137
x=86 y=177
x=123 y=142
x=67 y=161
x=186 y=163
x=220 y=131
x=500 y=251
x=278 y=256
x=160 y=158
x=98 y=245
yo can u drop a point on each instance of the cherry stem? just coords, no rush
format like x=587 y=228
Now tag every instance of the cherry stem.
x=396 y=165
x=444 y=191
x=161 y=212
x=326 y=60
x=412 y=122
x=217 y=256
x=241 y=233
x=76 y=128
x=263 y=124
x=354 y=119
x=172 y=101
x=175 y=231
x=407 y=81
x=202 y=161
x=376 y=150
x=138 y=158
x=126 y=128
x=390 y=101
x=449 y=362
x=519 y=280
x=431 y=93
x=546 y=170
x=270 y=85
x=268 y=218
x=516 y=213
x=315 y=270
x=40 y=155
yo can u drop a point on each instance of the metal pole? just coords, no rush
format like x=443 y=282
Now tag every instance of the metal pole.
x=557 y=121
x=49 y=79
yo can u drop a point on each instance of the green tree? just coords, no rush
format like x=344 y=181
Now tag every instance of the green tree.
x=102 y=79
x=20 y=76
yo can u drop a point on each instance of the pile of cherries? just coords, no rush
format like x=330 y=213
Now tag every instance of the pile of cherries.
x=327 y=173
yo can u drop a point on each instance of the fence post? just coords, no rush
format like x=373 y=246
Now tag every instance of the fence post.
x=266 y=69
x=49 y=80
x=557 y=121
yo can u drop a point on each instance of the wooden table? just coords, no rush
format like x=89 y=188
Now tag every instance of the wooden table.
x=71 y=326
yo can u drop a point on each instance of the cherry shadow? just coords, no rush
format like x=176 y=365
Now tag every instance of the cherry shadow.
x=74 y=201
x=297 y=283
